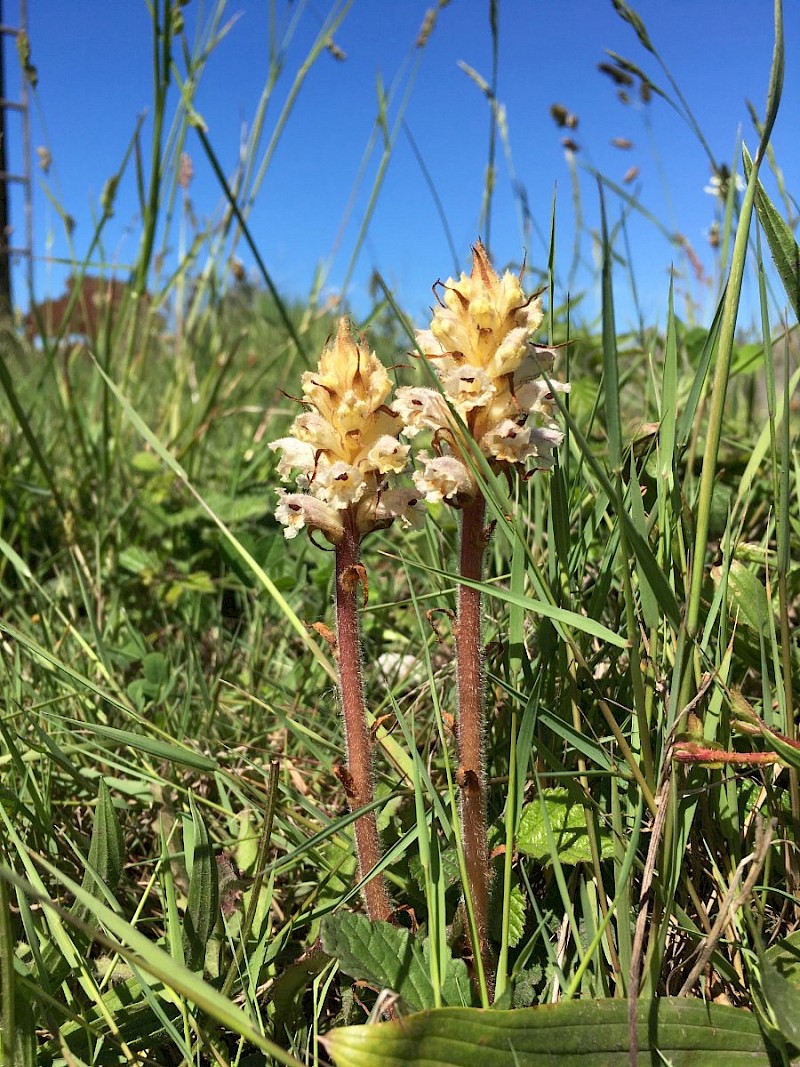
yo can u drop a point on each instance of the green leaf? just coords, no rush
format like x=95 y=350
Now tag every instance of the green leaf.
x=783 y=1000
x=391 y=958
x=747 y=598
x=153 y=747
x=789 y=753
x=138 y=1023
x=517 y=909
x=785 y=956
x=105 y=848
x=583 y=1033
x=567 y=822
x=202 y=909
x=780 y=238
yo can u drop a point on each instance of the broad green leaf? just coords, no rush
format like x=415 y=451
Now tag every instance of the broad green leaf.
x=579 y=1033
x=392 y=958
x=783 y=1000
x=747 y=598
x=202 y=909
x=567 y=819
x=780 y=238
x=785 y=957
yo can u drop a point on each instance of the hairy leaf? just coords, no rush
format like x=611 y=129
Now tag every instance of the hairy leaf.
x=391 y=958
x=567 y=821
x=203 y=907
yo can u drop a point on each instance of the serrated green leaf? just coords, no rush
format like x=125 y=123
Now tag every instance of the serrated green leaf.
x=567 y=820
x=202 y=909
x=516 y=925
x=583 y=1033
x=390 y=958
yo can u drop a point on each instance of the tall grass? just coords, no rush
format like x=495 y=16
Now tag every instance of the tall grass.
x=178 y=881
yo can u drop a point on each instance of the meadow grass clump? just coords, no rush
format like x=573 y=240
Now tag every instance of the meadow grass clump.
x=569 y=703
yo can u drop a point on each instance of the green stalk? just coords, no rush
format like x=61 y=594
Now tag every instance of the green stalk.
x=358 y=776
x=471 y=771
x=725 y=351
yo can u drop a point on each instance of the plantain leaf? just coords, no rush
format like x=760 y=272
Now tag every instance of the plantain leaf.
x=202 y=909
x=584 y=1033
x=105 y=849
x=567 y=823
x=391 y=958
x=780 y=238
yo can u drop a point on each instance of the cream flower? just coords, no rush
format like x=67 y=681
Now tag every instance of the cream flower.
x=388 y=456
x=296 y=510
x=344 y=445
x=479 y=345
x=444 y=478
x=468 y=387
x=420 y=409
x=338 y=484
x=483 y=320
x=405 y=505
x=297 y=455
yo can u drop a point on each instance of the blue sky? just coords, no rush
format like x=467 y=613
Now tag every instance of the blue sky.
x=95 y=80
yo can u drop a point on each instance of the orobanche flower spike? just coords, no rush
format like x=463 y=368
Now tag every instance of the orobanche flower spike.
x=493 y=399
x=345 y=448
x=479 y=344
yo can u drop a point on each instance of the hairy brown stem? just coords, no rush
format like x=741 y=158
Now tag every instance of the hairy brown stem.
x=358 y=779
x=471 y=773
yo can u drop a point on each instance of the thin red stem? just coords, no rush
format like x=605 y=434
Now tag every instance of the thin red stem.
x=358 y=779
x=471 y=772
